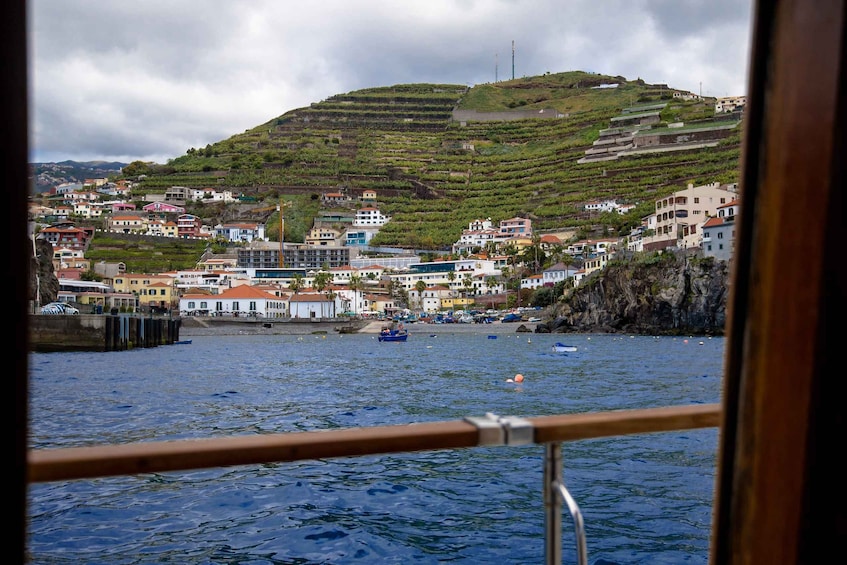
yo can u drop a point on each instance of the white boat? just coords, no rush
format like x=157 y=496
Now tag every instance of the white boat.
x=562 y=348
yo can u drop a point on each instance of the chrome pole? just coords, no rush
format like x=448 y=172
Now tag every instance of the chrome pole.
x=554 y=493
x=552 y=504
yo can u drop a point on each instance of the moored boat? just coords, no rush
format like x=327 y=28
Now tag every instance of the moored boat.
x=562 y=348
x=387 y=334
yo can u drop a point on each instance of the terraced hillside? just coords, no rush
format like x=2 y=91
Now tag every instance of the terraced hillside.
x=434 y=174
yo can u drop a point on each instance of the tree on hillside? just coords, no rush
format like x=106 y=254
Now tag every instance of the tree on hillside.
x=420 y=286
x=322 y=280
x=490 y=283
x=451 y=277
x=296 y=283
x=467 y=284
x=356 y=286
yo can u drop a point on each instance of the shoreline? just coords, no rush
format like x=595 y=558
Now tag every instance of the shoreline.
x=200 y=327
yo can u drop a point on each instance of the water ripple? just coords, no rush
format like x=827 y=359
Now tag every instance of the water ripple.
x=645 y=499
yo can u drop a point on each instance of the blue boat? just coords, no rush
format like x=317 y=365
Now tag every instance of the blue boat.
x=393 y=335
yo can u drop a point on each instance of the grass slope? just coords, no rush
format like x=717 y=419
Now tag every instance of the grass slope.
x=434 y=175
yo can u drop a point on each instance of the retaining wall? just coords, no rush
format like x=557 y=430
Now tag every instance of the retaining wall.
x=93 y=332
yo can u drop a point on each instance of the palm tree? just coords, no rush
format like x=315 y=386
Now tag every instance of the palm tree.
x=296 y=283
x=511 y=251
x=322 y=280
x=356 y=285
x=534 y=254
x=420 y=286
x=491 y=282
x=451 y=276
x=467 y=284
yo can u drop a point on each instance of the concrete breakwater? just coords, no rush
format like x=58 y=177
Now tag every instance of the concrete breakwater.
x=95 y=332
x=213 y=325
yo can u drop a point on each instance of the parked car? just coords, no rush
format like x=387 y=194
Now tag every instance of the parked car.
x=58 y=308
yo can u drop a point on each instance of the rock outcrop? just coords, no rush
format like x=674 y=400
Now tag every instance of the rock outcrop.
x=667 y=294
x=43 y=284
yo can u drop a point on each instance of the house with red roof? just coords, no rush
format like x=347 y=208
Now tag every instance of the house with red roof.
x=243 y=300
x=67 y=236
x=311 y=306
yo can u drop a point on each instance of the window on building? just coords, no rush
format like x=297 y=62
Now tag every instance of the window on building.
x=720 y=235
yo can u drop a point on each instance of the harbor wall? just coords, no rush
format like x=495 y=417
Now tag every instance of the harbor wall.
x=97 y=332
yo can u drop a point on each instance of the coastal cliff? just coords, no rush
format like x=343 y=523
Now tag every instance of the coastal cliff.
x=658 y=294
x=43 y=283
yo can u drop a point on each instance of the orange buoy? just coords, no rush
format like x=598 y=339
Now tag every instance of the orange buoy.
x=519 y=378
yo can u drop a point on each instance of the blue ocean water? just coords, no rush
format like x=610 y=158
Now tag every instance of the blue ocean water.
x=644 y=498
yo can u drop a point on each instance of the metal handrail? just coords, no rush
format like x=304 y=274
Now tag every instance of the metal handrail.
x=554 y=493
x=44 y=465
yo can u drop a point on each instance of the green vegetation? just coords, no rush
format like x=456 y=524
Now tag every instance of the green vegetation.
x=433 y=175
x=146 y=254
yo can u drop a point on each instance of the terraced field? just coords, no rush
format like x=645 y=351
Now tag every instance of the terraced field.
x=433 y=174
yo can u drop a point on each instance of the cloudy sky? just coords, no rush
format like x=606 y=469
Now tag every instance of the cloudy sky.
x=128 y=80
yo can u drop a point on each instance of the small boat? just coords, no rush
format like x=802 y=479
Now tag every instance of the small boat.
x=562 y=348
x=182 y=342
x=393 y=335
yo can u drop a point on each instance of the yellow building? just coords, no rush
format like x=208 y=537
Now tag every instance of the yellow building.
x=152 y=291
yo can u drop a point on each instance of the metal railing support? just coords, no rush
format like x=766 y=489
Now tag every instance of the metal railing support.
x=554 y=493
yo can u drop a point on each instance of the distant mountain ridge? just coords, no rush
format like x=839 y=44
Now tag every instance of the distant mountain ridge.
x=44 y=176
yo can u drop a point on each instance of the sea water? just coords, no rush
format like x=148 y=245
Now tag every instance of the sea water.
x=644 y=498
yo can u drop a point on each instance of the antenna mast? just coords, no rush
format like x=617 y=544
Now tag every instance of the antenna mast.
x=281 y=209
x=513 y=59
x=281 y=260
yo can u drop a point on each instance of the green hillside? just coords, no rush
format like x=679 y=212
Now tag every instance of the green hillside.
x=434 y=175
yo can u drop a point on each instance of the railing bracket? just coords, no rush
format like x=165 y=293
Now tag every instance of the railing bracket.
x=503 y=430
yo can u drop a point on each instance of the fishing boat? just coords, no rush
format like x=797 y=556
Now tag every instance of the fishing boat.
x=387 y=334
x=562 y=348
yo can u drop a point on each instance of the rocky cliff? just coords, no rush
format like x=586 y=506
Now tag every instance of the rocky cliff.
x=43 y=284
x=667 y=294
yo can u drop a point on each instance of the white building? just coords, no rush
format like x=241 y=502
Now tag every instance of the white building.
x=680 y=216
x=243 y=232
x=480 y=233
x=719 y=233
x=730 y=103
x=311 y=306
x=368 y=216
x=557 y=273
x=601 y=206
x=243 y=300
